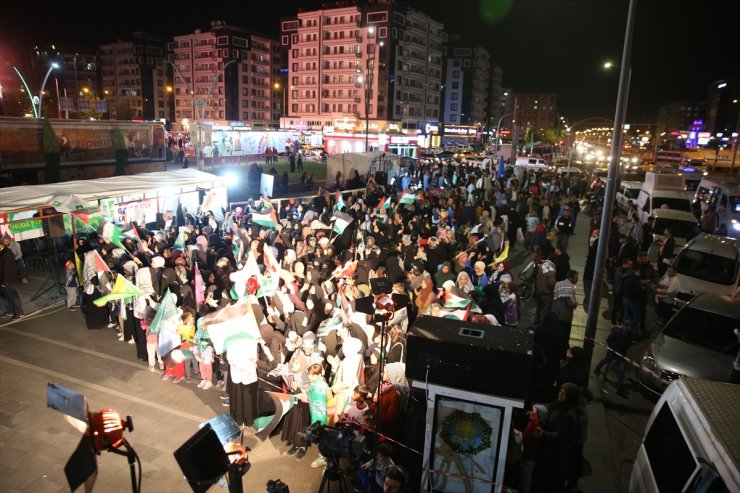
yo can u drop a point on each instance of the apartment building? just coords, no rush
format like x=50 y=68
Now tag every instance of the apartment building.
x=536 y=110
x=225 y=74
x=354 y=67
x=467 y=82
x=133 y=77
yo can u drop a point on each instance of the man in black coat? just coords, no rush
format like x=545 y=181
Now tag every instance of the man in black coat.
x=8 y=280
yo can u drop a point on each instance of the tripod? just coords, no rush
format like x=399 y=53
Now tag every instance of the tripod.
x=51 y=264
x=333 y=473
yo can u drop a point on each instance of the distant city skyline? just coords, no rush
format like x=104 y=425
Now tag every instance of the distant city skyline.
x=679 y=47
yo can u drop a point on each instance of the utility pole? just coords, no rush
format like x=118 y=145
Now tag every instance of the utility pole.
x=594 y=300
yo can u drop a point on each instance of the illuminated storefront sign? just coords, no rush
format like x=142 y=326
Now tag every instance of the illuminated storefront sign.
x=460 y=131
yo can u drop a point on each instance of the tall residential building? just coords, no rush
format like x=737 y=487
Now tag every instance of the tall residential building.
x=723 y=107
x=352 y=66
x=76 y=79
x=467 y=72
x=134 y=75
x=679 y=116
x=536 y=110
x=226 y=74
x=496 y=102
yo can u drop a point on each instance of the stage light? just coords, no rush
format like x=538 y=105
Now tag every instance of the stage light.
x=107 y=429
x=231 y=179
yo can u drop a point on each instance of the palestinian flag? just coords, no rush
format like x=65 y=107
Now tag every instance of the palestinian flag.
x=340 y=202
x=132 y=233
x=341 y=221
x=460 y=314
x=167 y=314
x=407 y=198
x=113 y=234
x=100 y=265
x=271 y=263
x=231 y=324
x=266 y=201
x=328 y=325
x=385 y=203
x=123 y=289
x=88 y=222
x=454 y=298
x=266 y=425
x=266 y=218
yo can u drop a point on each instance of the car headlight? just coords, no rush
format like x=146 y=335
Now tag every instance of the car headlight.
x=735 y=225
x=648 y=363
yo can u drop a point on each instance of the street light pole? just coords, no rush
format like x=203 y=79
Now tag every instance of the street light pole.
x=594 y=300
x=498 y=129
x=28 y=90
x=572 y=142
x=43 y=85
x=369 y=75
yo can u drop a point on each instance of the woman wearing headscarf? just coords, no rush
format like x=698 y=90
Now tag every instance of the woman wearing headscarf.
x=559 y=434
x=96 y=317
x=424 y=295
x=349 y=374
x=464 y=283
x=391 y=402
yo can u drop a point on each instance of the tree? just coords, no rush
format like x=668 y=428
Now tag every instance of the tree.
x=121 y=153
x=50 y=145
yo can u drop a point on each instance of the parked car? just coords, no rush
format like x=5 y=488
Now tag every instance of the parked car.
x=708 y=264
x=698 y=341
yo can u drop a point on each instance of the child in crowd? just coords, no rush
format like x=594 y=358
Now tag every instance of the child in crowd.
x=187 y=334
x=152 y=340
x=358 y=406
x=318 y=396
x=532 y=437
x=204 y=354
x=71 y=284
x=373 y=483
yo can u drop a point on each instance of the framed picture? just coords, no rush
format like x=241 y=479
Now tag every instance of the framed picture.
x=466 y=435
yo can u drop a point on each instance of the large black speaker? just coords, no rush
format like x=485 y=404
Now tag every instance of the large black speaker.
x=474 y=357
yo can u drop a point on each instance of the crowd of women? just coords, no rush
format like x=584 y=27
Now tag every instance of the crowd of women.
x=304 y=276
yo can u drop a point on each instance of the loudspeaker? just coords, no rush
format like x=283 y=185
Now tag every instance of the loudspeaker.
x=475 y=357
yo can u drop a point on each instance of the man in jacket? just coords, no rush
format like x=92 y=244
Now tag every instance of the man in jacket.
x=8 y=280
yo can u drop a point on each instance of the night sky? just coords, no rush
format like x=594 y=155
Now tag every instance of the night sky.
x=548 y=46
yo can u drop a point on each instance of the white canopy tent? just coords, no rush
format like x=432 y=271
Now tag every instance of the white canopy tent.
x=164 y=183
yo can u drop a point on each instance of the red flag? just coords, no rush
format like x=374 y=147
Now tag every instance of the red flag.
x=200 y=288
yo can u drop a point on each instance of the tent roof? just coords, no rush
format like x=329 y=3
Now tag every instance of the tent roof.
x=25 y=197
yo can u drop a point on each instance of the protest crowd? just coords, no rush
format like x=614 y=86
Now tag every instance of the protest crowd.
x=269 y=306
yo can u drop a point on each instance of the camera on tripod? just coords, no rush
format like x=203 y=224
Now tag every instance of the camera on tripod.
x=338 y=441
x=277 y=486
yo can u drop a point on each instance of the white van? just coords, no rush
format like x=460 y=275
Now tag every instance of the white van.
x=628 y=190
x=661 y=190
x=724 y=194
x=531 y=162
x=692 y=440
x=708 y=264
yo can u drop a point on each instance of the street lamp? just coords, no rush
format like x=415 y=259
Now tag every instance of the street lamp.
x=36 y=105
x=498 y=129
x=43 y=84
x=200 y=164
x=594 y=300
x=283 y=109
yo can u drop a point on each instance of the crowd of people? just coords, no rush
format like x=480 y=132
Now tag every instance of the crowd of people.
x=301 y=276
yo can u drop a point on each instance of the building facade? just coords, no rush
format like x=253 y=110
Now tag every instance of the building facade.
x=680 y=116
x=225 y=74
x=353 y=67
x=467 y=84
x=133 y=78
x=536 y=110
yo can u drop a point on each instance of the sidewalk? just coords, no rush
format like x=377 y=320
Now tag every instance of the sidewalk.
x=604 y=474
